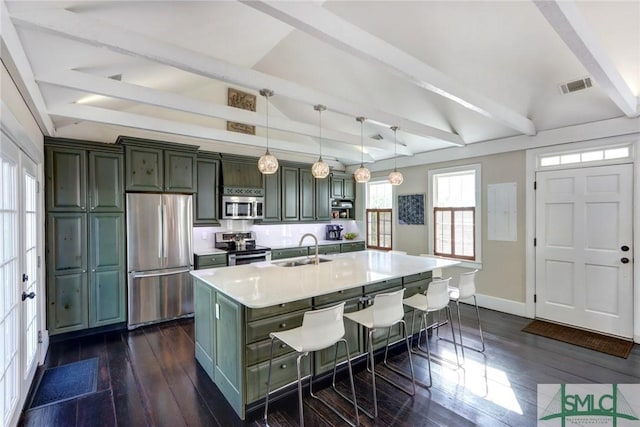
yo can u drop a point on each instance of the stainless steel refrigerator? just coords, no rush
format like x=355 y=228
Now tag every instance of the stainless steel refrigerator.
x=159 y=258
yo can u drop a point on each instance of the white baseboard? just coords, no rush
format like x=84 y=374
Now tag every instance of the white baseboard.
x=501 y=304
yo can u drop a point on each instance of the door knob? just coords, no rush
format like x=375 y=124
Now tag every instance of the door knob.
x=624 y=260
x=624 y=248
x=25 y=295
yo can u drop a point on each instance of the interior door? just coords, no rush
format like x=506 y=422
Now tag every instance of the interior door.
x=19 y=317
x=584 y=273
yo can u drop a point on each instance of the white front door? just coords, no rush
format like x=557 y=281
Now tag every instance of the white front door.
x=18 y=259
x=584 y=257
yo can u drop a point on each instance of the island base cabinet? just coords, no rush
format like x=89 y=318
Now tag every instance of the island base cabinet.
x=228 y=358
x=283 y=372
x=204 y=308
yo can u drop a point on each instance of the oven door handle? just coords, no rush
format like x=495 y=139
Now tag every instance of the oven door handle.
x=262 y=255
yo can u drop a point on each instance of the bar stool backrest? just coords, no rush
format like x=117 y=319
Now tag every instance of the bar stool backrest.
x=388 y=309
x=467 y=284
x=438 y=294
x=324 y=327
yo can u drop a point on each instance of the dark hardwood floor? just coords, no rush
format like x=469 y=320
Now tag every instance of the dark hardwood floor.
x=149 y=377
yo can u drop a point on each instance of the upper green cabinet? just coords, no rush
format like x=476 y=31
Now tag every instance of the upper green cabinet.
x=156 y=166
x=272 y=197
x=66 y=172
x=290 y=193
x=205 y=210
x=84 y=179
x=343 y=187
x=323 y=202
x=307 y=196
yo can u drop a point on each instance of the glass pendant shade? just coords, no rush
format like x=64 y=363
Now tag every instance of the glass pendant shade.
x=268 y=164
x=395 y=178
x=362 y=174
x=320 y=169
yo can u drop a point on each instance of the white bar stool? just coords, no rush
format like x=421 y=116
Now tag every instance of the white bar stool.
x=386 y=312
x=436 y=298
x=320 y=329
x=466 y=289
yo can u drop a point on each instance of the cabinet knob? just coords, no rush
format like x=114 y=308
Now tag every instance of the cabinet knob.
x=283 y=305
x=283 y=345
x=283 y=366
x=283 y=325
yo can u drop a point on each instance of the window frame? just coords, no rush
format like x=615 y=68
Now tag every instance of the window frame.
x=378 y=211
x=432 y=173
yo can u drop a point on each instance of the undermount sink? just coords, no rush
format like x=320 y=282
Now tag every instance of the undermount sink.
x=299 y=262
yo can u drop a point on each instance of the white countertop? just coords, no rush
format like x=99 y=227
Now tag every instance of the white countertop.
x=265 y=284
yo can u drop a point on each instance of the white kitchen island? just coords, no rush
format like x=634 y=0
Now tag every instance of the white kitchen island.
x=237 y=307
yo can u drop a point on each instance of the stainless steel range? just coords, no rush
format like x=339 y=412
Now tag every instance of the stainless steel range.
x=241 y=247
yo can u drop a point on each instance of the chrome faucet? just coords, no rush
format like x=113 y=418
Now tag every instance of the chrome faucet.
x=315 y=239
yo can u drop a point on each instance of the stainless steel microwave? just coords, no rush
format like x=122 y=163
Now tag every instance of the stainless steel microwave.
x=242 y=207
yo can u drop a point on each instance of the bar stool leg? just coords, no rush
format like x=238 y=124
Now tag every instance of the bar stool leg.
x=475 y=301
x=460 y=327
x=373 y=374
x=266 y=401
x=300 y=389
x=453 y=335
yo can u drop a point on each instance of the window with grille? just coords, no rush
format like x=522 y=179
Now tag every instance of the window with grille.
x=454 y=208
x=379 y=215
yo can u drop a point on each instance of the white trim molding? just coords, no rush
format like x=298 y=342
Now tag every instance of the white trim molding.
x=504 y=305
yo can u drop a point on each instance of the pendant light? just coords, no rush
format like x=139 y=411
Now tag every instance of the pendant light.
x=361 y=174
x=267 y=164
x=395 y=177
x=320 y=169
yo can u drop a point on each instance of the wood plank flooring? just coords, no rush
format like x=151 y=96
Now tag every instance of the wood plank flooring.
x=149 y=377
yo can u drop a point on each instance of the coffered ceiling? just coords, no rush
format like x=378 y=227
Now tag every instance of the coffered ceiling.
x=448 y=73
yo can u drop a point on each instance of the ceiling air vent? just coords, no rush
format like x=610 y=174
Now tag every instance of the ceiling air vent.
x=575 y=85
x=117 y=77
x=377 y=137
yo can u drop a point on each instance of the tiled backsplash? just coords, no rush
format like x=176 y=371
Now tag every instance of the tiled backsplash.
x=277 y=235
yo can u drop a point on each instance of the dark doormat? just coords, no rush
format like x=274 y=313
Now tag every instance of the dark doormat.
x=66 y=382
x=597 y=342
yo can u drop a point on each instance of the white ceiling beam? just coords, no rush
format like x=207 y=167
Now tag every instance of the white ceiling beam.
x=139 y=121
x=84 y=82
x=321 y=23
x=15 y=59
x=565 y=18
x=96 y=33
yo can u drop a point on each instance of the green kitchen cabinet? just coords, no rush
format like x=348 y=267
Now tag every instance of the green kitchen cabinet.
x=157 y=166
x=210 y=261
x=144 y=169
x=415 y=284
x=85 y=235
x=352 y=246
x=323 y=200
x=66 y=182
x=204 y=308
x=307 y=196
x=289 y=252
x=105 y=182
x=327 y=249
x=349 y=189
x=352 y=333
x=179 y=172
x=205 y=210
x=290 y=194
x=107 y=278
x=272 y=197
x=228 y=359
x=67 y=302
x=67 y=272
x=343 y=187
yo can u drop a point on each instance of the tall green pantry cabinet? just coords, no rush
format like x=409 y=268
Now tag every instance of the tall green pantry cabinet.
x=84 y=196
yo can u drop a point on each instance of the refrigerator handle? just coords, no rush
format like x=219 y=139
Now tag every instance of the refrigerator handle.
x=165 y=232
x=160 y=239
x=135 y=275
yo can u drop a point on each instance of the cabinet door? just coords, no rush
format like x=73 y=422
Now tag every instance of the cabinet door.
x=67 y=302
x=107 y=284
x=144 y=169
x=307 y=196
x=67 y=243
x=290 y=186
x=336 y=187
x=324 y=358
x=228 y=354
x=204 y=307
x=323 y=202
x=206 y=197
x=272 y=199
x=105 y=182
x=66 y=172
x=349 y=189
x=179 y=172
